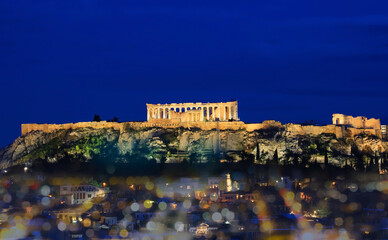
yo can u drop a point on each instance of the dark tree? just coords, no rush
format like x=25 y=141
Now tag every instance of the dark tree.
x=295 y=160
x=258 y=157
x=114 y=119
x=163 y=160
x=96 y=118
x=275 y=159
x=326 y=159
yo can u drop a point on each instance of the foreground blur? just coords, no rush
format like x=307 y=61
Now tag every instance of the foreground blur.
x=228 y=206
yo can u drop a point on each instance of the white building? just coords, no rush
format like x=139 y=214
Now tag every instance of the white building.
x=384 y=131
x=80 y=194
x=223 y=183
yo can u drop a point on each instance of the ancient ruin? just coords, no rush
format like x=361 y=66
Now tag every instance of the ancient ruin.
x=193 y=112
x=359 y=122
x=219 y=116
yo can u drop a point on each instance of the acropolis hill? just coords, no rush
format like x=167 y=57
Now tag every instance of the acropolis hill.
x=222 y=115
x=195 y=132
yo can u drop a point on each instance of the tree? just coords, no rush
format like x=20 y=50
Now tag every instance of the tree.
x=295 y=160
x=114 y=119
x=275 y=159
x=163 y=160
x=326 y=159
x=258 y=157
x=96 y=118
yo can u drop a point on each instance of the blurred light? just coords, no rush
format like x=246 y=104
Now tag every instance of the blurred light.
x=217 y=217
x=179 y=226
x=162 y=206
x=135 y=207
x=147 y=203
x=61 y=226
x=187 y=203
x=151 y=226
x=45 y=190
x=45 y=201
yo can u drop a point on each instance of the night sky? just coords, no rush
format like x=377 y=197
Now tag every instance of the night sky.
x=292 y=61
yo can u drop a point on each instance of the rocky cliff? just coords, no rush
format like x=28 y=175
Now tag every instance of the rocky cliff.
x=274 y=143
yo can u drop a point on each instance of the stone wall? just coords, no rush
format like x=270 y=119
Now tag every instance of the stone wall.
x=293 y=129
x=162 y=123
x=356 y=122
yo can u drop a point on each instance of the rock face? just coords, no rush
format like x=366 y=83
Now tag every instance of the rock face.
x=177 y=144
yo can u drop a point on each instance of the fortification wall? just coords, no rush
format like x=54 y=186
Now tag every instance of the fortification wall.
x=356 y=122
x=162 y=123
x=293 y=129
x=297 y=129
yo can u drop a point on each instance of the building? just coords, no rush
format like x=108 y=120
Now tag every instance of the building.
x=359 y=122
x=202 y=229
x=223 y=183
x=80 y=194
x=384 y=131
x=193 y=112
x=183 y=187
x=239 y=196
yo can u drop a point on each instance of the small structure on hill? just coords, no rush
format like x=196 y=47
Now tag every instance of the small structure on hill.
x=359 y=122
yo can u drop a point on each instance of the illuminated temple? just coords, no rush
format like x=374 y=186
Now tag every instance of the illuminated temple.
x=193 y=112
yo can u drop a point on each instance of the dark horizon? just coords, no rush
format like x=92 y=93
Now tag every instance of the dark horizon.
x=287 y=61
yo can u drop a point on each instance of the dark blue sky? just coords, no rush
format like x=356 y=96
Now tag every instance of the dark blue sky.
x=292 y=61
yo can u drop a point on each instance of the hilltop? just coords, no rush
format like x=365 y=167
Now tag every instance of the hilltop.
x=272 y=143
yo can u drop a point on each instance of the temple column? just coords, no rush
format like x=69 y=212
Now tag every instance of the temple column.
x=207 y=113
x=219 y=113
x=148 y=114
x=225 y=112
x=201 y=117
x=230 y=112
x=236 y=112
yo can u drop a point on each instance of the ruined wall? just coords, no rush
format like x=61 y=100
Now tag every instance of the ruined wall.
x=293 y=129
x=356 y=122
x=162 y=123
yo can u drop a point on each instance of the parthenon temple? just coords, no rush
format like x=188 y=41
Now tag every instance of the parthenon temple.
x=193 y=112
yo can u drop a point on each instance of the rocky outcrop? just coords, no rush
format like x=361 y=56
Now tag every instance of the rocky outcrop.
x=177 y=144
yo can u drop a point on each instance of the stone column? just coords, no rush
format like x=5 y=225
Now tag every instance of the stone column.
x=201 y=117
x=219 y=113
x=230 y=112
x=236 y=112
x=148 y=114
x=224 y=112
x=207 y=113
